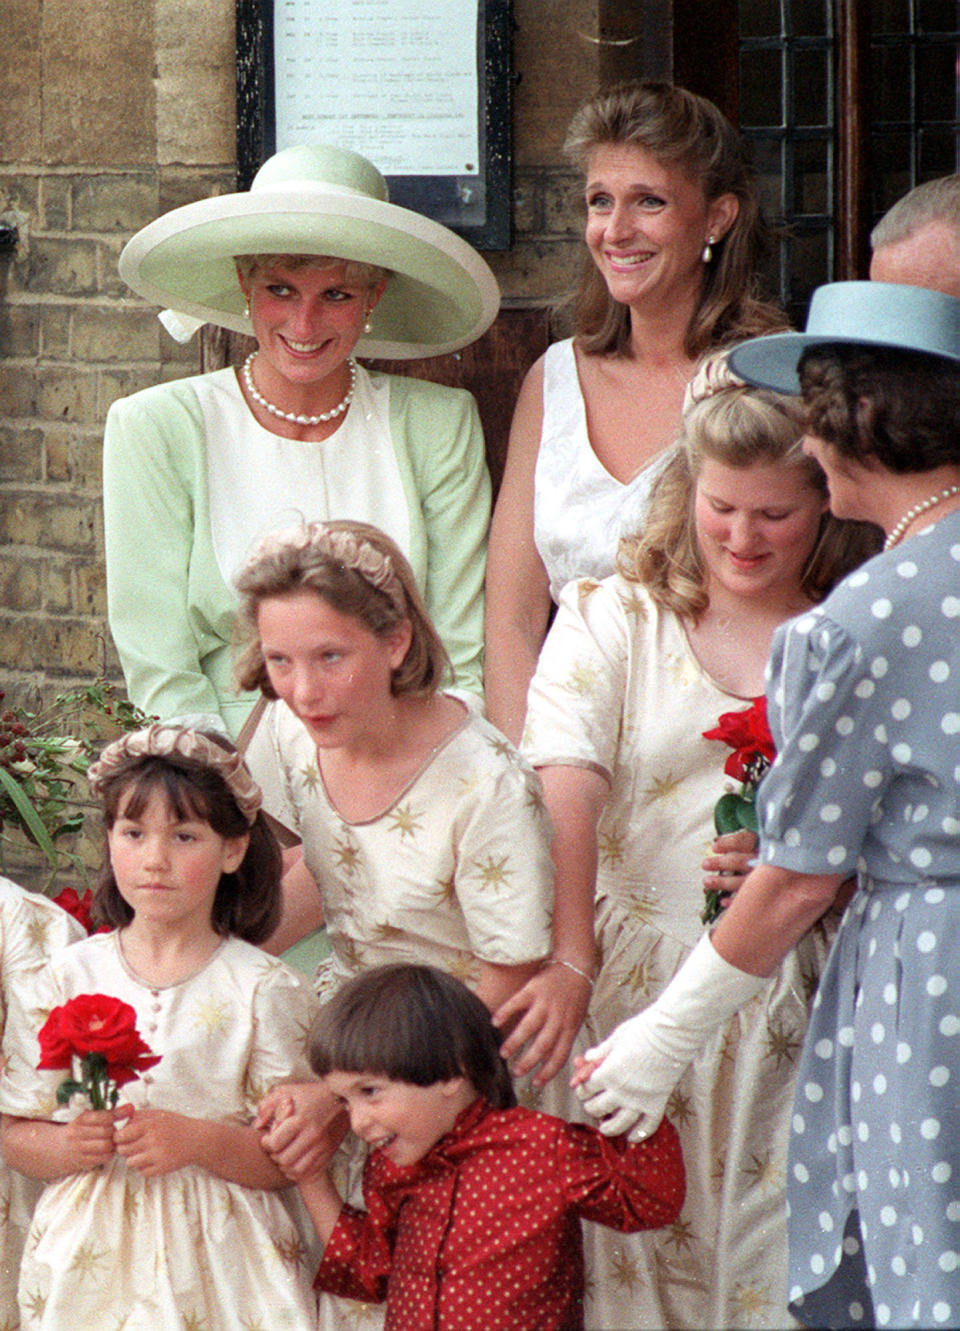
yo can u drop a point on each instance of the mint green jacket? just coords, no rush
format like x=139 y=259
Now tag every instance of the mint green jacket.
x=171 y=613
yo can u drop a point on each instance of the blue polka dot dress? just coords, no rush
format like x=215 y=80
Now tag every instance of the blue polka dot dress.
x=864 y=698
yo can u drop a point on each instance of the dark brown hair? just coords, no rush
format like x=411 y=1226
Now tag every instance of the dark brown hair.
x=248 y=901
x=683 y=130
x=414 y=1024
x=899 y=408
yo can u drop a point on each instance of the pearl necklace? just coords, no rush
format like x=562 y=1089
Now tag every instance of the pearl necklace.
x=291 y=416
x=897 y=531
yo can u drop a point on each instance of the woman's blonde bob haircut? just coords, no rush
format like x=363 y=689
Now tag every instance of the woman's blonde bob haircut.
x=355 y=272
x=304 y=562
x=736 y=426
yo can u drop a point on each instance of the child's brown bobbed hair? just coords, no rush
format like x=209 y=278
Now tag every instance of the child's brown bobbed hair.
x=248 y=901
x=414 y=1024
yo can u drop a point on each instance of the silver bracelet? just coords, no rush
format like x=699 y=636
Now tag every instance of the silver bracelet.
x=558 y=961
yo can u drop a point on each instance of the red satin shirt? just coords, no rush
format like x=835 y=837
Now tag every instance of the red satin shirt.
x=483 y=1233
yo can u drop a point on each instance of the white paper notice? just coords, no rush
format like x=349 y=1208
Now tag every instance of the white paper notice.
x=393 y=79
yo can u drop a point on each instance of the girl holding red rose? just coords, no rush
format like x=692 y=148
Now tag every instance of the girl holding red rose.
x=634 y=669
x=863 y=703
x=163 y=1207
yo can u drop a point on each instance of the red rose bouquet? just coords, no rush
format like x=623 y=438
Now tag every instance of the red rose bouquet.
x=102 y=1033
x=748 y=735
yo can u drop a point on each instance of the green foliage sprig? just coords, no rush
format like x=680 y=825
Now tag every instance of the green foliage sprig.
x=44 y=756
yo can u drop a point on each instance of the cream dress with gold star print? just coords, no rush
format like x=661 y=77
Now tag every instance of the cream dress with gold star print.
x=456 y=871
x=31 y=928
x=110 y=1250
x=618 y=690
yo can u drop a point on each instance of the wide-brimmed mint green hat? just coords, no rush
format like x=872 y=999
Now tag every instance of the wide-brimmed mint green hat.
x=318 y=199
x=874 y=314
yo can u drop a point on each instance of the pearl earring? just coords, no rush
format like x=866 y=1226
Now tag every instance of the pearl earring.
x=707 y=254
x=367 y=325
x=246 y=310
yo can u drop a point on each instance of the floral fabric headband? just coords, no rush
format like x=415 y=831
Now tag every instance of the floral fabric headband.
x=349 y=549
x=713 y=375
x=160 y=741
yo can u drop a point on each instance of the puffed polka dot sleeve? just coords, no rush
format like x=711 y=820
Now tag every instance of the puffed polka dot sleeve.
x=626 y=1185
x=358 y=1257
x=576 y=697
x=832 y=717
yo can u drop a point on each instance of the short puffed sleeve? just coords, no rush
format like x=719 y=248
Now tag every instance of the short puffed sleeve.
x=25 y=1091
x=504 y=872
x=32 y=929
x=284 y=1006
x=827 y=717
x=576 y=697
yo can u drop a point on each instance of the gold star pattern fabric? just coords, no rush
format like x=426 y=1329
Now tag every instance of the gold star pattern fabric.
x=347 y=855
x=455 y=872
x=457 y=866
x=724 y=1263
x=111 y=1248
x=32 y=929
x=405 y=820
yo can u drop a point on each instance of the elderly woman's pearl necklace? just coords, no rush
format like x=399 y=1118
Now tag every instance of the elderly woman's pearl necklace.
x=896 y=532
x=291 y=416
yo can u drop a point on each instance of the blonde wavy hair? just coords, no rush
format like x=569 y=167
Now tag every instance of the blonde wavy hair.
x=737 y=426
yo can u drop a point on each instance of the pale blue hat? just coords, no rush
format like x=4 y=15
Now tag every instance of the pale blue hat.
x=874 y=314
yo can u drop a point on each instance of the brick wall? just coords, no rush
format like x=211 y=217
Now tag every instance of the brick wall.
x=117 y=112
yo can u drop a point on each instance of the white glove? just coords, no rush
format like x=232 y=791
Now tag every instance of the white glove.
x=644 y=1058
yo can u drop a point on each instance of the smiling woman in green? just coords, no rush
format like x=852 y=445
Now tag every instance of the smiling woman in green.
x=319 y=266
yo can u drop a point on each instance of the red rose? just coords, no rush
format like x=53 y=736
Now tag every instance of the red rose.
x=55 y=1050
x=746 y=729
x=737 y=764
x=96 y=1024
x=748 y=734
x=77 y=906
